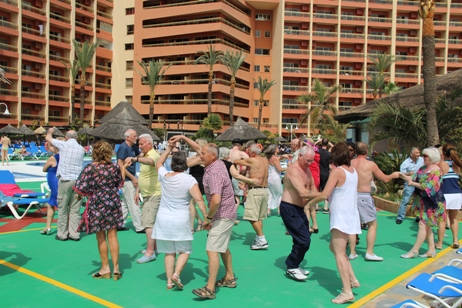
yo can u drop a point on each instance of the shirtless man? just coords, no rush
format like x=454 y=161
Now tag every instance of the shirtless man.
x=298 y=184
x=367 y=170
x=234 y=154
x=257 y=197
x=6 y=143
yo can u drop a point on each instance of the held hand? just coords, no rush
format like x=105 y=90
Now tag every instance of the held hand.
x=128 y=160
x=256 y=182
x=175 y=139
x=171 y=144
x=207 y=225
x=51 y=130
x=405 y=177
x=396 y=175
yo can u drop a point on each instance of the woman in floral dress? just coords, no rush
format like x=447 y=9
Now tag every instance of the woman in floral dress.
x=429 y=203
x=100 y=181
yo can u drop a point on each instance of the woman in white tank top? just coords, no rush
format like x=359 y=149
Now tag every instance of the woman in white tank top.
x=341 y=189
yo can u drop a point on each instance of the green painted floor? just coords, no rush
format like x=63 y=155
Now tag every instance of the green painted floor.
x=262 y=280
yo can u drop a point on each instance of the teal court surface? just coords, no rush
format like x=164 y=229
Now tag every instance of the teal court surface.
x=39 y=271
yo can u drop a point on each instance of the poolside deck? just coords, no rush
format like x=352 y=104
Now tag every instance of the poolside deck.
x=39 y=271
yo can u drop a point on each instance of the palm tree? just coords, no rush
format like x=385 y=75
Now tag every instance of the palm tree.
x=427 y=12
x=263 y=86
x=321 y=97
x=233 y=61
x=151 y=77
x=391 y=88
x=376 y=82
x=332 y=129
x=210 y=58
x=73 y=70
x=84 y=53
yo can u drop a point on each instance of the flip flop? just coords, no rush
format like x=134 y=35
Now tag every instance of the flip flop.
x=177 y=281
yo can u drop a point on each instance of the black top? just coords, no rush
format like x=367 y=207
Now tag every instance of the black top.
x=197 y=172
x=324 y=161
x=228 y=165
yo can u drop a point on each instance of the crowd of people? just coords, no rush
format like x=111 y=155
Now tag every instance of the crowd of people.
x=162 y=200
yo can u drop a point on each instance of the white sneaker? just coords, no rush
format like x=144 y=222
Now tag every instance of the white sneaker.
x=373 y=257
x=295 y=273
x=352 y=256
x=303 y=271
x=259 y=245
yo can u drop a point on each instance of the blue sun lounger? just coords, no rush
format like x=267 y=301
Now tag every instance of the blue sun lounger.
x=409 y=303
x=446 y=293
x=13 y=202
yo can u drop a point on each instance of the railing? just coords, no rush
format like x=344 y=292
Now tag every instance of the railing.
x=361 y=1
x=58 y=58
x=410 y=3
x=11 y=2
x=294 y=106
x=84 y=7
x=8 y=92
x=352 y=17
x=195 y=102
x=455 y=24
x=352 y=91
x=198 y=42
x=379 y=37
x=351 y=54
x=102 y=103
x=65 y=1
x=102 y=85
x=324 y=34
x=325 y=16
x=58 y=98
x=325 y=53
x=59 y=39
x=350 y=73
x=296 y=51
x=199 y=21
x=408 y=21
x=324 y=71
x=297 y=70
x=379 y=19
x=31 y=31
x=28 y=7
x=297 y=32
x=405 y=75
x=454 y=60
x=82 y=25
x=59 y=78
x=10 y=69
x=440 y=4
x=8 y=47
x=382 y=1
x=104 y=14
x=32 y=74
x=30 y=52
x=103 y=68
x=59 y=17
x=32 y=95
x=195 y=2
x=456 y=5
x=57 y=119
x=352 y=36
x=407 y=39
x=202 y=81
x=439 y=59
x=295 y=88
x=406 y=58
x=452 y=41
x=296 y=14
x=440 y=41
x=7 y=24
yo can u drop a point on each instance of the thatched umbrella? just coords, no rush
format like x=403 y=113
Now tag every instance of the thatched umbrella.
x=57 y=132
x=115 y=128
x=280 y=139
x=85 y=131
x=128 y=112
x=40 y=130
x=411 y=98
x=26 y=130
x=241 y=130
x=10 y=130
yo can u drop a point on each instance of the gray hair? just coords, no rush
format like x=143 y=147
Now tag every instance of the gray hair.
x=433 y=154
x=128 y=133
x=413 y=149
x=213 y=149
x=270 y=150
x=306 y=150
x=72 y=134
x=254 y=148
x=248 y=144
x=224 y=152
x=147 y=137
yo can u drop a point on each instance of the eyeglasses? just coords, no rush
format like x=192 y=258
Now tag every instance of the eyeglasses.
x=424 y=155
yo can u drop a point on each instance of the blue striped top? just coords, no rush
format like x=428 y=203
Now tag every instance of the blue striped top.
x=450 y=181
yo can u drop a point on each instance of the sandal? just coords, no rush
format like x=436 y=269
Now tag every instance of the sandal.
x=228 y=283
x=343 y=298
x=117 y=276
x=170 y=286
x=102 y=276
x=455 y=245
x=204 y=292
x=177 y=281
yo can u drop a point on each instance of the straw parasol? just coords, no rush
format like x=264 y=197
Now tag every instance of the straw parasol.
x=10 y=130
x=280 y=139
x=241 y=130
x=57 y=132
x=40 y=130
x=128 y=112
x=85 y=131
x=26 y=130
x=115 y=128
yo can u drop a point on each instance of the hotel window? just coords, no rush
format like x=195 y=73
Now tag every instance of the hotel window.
x=267 y=69
x=265 y=120
x=130 y=29
x=256 y=68
x=128 y=82
x=130 y=11
x=257 y=33
x=129 y=99
x=130 y=46
x=129 y=65
x=255 y=85
x=260 y=51
x=262 y=17
x=267 y=34
x=255 y=120
x=256 y=102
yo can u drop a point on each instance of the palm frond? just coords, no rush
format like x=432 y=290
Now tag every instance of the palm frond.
x=233 y=61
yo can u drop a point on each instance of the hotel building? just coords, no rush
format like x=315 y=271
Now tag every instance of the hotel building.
x=292 y=42
x=35 y=36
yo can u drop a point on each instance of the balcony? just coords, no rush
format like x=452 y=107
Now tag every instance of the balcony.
x=355 y=36
x=353 y=18
x=59 y=119
x=33 y=34
x=58 y=98
x=324 y=53
x=296 y=14
x=34 y=12
x=59 y=78
x=296 y=51
x=199 y=42
x=195 y=102
x=33 y=53
x=325 y=34
x=102 y=85
x=296 y=70
x=295 y=88
x=104 y=14
x=102 y=103
x=103 y=68
x=352 y=54
x=8 y=92
x=32 y=95
x=202 y=81
x=33 y=74
x=84 y=7
x=60 y=39
x=9 y=25
x=84 y=26
x=200 y=21
x=297 y=32
x=58 y=58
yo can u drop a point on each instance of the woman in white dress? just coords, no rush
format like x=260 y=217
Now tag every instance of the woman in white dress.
x=172 y=228
x=344 y=216
x=274 y=177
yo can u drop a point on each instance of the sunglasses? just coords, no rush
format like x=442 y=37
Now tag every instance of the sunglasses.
x=424 y=155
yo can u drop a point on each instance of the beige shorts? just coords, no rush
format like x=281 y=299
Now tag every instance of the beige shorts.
x=149 y=211
x=219 y=235
x=256 y=206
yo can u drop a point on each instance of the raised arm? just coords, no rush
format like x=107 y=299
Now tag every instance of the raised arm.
x=378 y=174
x=163 y=157
x=190 y=142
